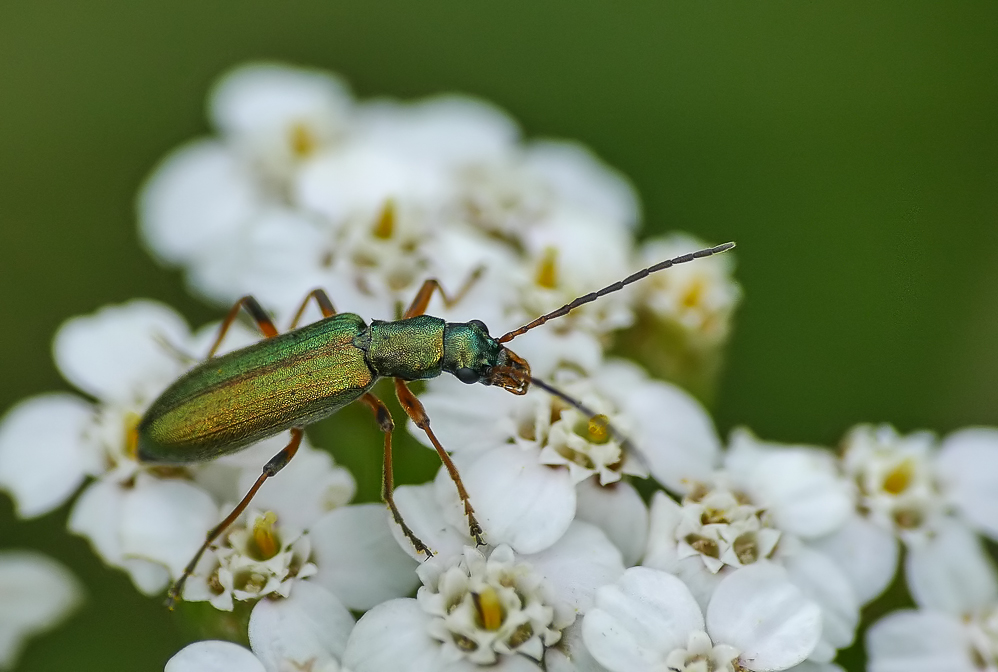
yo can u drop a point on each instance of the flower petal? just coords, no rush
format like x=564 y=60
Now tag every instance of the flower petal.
x=803 y=491
x=358 y=558
x=822 y=581
x=421 y=512
x=165 y=521
x=579 y=563
x=619 y=511
x=677 y=438
x=950 y=571
x=119 y=350
x=391 y=632
x=197 y=197
x=214 y=656
x=866 y=552
x=309 y=627
x=308 y=487
x=639 y=620
x=42 y=459
x=518 y=501
x=968 y=466
x=918 y=641
x=38 y=593
x=96 y=516
x=768 y=619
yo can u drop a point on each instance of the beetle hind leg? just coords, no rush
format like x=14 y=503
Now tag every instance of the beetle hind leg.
x=387 y=426
x=275 y=464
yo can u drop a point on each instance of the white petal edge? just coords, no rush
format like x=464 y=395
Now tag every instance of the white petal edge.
x=968 y=466
x=391 y=632
x=310 y=626
x=619 y=511
x=118 y=350
x=579 y=563
x=639 y=620
x=951 y=572
x=38 y=593
x=42 y=459
x=358 y=558
x=214 y=656
x=758 y=611
x=866 y=552
x=918 y=641
x=517 y=500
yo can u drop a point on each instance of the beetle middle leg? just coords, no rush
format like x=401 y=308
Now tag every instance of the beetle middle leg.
x=414 y=409
x=387 y=426
x=275 y=464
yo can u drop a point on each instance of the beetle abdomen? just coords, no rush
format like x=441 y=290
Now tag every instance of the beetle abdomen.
x=229 y=402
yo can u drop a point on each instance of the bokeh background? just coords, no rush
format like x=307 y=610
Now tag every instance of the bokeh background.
x=850 y=148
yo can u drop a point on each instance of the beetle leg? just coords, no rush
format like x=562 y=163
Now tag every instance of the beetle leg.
x=322 y=299
x=387 y=426
x=275 y=464
x=255 y=310
x=425 y=293
x=414 y=409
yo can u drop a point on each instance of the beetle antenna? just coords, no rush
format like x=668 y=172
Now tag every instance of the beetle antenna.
x=620 y=284
x=625 y=443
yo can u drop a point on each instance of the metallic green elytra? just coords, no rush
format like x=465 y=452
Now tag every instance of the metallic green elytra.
x=302 y=376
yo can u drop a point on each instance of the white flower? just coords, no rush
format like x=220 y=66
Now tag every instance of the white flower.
x=521 y=457
x=306 y=631
x=257 y=558
x=493 y=608
x=928 y=496
x=649 y=621
x=439 y=133
x=510 y=195
x=36 y=594
x=767 y=502
x=699 y=298
x=147 y=521
x=278 y=116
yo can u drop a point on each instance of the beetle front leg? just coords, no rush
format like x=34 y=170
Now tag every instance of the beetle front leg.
x=275 y=464
x=414 y=409
x=387 y=426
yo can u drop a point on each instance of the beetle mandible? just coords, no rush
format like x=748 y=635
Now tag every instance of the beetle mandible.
x=290 y=380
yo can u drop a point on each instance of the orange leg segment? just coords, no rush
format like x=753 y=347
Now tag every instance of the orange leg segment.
x=275 y=464
x=425 y=293
x=255 y=310
x=321 y=299
x=414 y=409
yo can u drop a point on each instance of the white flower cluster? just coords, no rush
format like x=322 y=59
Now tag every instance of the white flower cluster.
x=751 y=556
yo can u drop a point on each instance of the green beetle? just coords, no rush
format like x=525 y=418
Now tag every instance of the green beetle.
x=291 y=380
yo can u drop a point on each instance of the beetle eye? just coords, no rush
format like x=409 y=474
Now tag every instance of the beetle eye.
x=466 y=375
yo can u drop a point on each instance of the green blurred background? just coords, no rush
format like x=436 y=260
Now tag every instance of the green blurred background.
x=851 y=148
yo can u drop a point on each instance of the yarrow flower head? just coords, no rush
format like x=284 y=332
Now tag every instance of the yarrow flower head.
x=648 y=620
x=258 y=559
x=930 y=496
x=491 y=607
x=307 y=630
x=765 y=506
